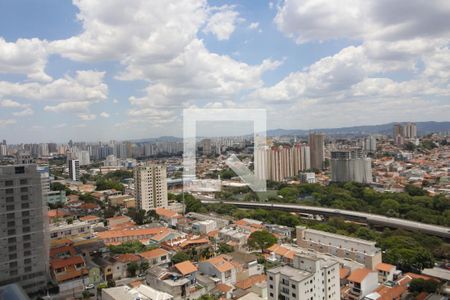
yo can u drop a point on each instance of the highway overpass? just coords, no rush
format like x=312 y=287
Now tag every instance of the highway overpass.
x=371 y=219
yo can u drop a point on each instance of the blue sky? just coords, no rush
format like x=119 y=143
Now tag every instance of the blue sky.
x=100 y=70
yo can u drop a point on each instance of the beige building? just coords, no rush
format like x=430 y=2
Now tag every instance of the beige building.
x=279 y=163
x=150 y=184
x=308 y=278
x=359 y=250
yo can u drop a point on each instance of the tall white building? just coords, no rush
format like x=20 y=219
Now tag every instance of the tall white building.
x=23 y=227
x=308 y=278
x=74 y=169
x=150 y=184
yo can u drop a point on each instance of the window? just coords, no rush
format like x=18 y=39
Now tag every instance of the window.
x=25 y=205
x=10 y=216
x=20 y=170
x=24 y=197
x=23 y=181
x=9 y=199
x=24 y=189
x=9 y=191
x=9 y=183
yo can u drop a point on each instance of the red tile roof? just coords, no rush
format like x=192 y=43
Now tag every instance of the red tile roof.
x=186 y=267
x=58 y=263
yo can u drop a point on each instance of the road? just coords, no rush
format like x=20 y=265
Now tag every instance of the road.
x=370 y=219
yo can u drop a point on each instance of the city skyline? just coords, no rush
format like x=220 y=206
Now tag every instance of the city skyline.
x=62 y=76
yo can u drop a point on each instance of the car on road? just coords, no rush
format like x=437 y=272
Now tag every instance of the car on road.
x=89 y=286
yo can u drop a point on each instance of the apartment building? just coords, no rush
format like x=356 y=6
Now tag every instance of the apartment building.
x=359 y=250
x=74 y=169
x=150 y=184
x=308 y=278
x=23 y=226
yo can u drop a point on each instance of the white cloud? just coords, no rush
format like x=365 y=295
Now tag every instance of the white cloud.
x=25 y=56
x=318 y=20
x=62 y=89
x=222 y=23
x=87 y=117
x=144 y=29
x=7 y=103
x=104 y=115
x=24 y=113
x=61 y=125
x=6 y=122
x=253 y=25
x=75 y=106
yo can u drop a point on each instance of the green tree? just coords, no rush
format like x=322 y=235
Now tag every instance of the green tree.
x=143 y=266
x=132 y=268
x=225 y=248
x=261 y=240
x=180 y=257
x=414 y=190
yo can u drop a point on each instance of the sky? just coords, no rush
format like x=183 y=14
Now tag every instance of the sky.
x=91 y=70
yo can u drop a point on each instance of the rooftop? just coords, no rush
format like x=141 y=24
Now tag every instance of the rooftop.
x=292 y=273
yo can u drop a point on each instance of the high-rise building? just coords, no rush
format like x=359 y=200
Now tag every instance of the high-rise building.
x=410 y=130
x=308 y=277
x=278 y=163
x=370 y=144
x=150 y=186
x=317 y=150
x=74 y=169
x=404 y=131
x=350 y=165
x=84 y=158
x=23 y=227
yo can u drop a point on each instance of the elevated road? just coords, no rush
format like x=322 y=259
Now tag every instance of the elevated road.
x=367 y=218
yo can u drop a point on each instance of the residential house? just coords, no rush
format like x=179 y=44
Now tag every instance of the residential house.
x=219 y=267
x=168 y=216
x=178 y=281
x=362 y=282
x=156 y=257
x=385 y=272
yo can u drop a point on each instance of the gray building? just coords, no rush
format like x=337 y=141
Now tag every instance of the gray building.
x=350 y=165
x=317 y=150
x=23 y=226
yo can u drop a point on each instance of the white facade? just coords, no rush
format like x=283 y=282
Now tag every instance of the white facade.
x=150 y=184
x=308 y=278
x=74 y=169
x=204 y=226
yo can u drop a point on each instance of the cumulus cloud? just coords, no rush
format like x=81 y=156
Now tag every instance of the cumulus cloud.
x=104 y=115
x=25 y=56
x=319 y=20
x=253 y=25
x=222 y=23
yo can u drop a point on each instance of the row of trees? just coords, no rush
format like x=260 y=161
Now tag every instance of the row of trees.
x=413 y=204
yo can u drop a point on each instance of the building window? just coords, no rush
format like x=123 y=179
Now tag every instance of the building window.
x=23 y=181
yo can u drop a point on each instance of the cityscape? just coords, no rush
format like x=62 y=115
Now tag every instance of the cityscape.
x=194 y=149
